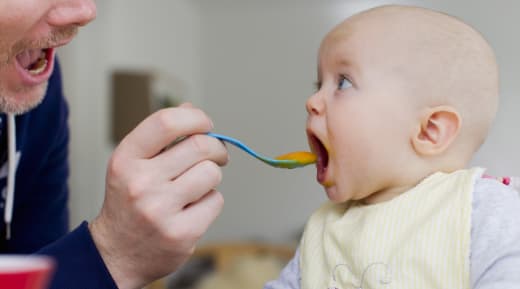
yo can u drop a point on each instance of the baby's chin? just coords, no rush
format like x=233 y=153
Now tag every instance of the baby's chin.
x=337 y=196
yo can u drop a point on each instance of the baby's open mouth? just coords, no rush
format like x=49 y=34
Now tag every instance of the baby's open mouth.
x=34 y=60
x=322 y=154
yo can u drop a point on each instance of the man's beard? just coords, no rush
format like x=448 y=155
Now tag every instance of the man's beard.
x=12 y=105
x=8 y=99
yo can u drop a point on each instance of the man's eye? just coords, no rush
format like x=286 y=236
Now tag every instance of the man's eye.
x=344 y=83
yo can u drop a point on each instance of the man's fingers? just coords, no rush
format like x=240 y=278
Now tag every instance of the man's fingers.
x=179 y=158
x=190 y=186
x=161 y=128
x=195 y=219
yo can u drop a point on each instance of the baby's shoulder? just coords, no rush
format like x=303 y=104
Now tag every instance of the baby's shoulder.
x=496 y=211
x=495 y=197
x=495 y=233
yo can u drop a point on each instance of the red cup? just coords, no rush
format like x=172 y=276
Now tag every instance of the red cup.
x=25 y=272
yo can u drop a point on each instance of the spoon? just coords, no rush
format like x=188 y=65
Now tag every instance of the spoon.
x=287 y=161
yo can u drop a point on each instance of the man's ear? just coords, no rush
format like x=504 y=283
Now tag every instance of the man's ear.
x=437 y=129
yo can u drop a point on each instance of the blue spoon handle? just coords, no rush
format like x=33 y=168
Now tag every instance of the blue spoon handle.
x=288 y=164
x=238 y=144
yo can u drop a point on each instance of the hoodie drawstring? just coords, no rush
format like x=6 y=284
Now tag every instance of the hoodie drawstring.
x=11 y=160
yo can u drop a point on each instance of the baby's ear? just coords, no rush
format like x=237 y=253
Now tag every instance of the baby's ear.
x=436 y=131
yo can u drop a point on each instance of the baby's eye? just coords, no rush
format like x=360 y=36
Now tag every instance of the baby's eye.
x=344 y=83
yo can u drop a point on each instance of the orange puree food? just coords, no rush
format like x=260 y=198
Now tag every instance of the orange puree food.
x=301 y=157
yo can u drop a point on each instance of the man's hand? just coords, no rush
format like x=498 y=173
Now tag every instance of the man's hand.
x=159 y=202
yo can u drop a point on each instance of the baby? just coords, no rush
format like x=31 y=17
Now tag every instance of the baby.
x=405 y=97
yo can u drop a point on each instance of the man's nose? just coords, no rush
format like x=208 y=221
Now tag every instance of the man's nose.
x=72 y=12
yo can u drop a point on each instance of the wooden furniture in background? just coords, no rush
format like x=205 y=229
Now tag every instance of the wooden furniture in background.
x=224 y=254
x=132 y=101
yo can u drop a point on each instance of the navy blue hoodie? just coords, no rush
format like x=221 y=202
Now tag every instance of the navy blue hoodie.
x=40 y=211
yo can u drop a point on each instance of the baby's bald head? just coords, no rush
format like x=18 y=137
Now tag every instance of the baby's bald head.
x=443 y=61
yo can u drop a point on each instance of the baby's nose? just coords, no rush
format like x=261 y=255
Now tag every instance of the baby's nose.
x=314 y=104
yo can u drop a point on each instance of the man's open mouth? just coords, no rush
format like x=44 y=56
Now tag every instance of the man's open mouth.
x=35 y=61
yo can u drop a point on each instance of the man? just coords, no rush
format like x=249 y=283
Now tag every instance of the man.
x=158 y=202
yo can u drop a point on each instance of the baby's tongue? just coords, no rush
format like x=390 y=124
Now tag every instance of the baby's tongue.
x=28 y=57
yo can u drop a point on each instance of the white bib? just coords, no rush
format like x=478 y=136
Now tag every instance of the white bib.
x=418 y=240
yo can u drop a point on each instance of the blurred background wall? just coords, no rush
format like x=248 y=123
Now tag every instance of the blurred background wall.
x=251 y=65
